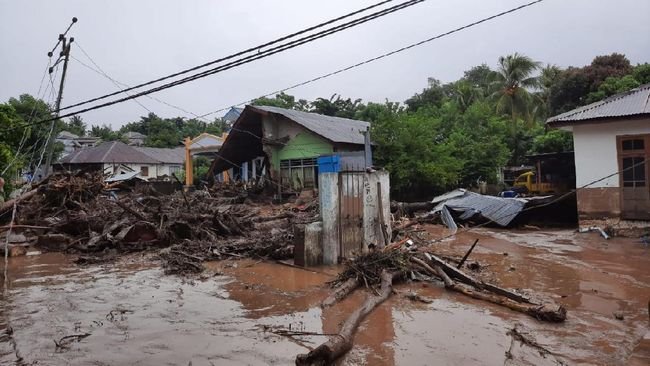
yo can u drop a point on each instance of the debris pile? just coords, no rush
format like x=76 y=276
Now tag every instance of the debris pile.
x=81 y=214
x=401 y=261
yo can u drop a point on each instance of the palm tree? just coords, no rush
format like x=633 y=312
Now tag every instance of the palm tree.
x=513 y=80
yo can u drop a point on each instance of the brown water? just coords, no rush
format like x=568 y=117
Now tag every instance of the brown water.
x=137 y=316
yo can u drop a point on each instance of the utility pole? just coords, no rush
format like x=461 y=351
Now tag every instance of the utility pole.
x=64 y=57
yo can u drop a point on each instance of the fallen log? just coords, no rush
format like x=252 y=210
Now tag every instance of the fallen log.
x=340 y=292
x=338 y=345
x=546 y=312
x=10 y=204
x=463 y=277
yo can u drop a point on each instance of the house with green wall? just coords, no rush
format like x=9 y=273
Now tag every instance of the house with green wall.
x=282 y=145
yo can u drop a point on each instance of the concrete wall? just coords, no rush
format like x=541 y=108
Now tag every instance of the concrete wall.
x=301 y=143
x=329 y=213
x=596 y=157
x=595 y=150
x=371 y=226
x=155 y=170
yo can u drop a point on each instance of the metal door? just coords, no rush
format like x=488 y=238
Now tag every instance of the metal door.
x=350 y=213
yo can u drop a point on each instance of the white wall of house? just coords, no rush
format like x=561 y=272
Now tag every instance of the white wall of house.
x=595 y=150
x=154 y=170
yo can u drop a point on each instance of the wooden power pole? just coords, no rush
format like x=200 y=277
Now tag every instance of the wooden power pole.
x=64 y=57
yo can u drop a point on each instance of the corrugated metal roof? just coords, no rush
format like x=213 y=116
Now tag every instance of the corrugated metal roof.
x=497 y=209
x=108 y=152
x=167 y=156
x=633 y=102
x=335 y=129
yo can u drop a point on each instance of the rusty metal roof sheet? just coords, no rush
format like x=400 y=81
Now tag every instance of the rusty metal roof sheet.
x=108 y=152
x=335 y=129
x=631 y=103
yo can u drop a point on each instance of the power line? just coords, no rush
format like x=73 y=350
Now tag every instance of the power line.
x=248 y=59
x=121 y=85
x=102 y=73
x=240 y=53
x=379 y=57
x=31 y=116
x=340 y=70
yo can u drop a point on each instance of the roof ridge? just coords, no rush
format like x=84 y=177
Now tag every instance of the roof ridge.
x=113 y=143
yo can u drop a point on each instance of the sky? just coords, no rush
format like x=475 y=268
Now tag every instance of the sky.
x=136 y=41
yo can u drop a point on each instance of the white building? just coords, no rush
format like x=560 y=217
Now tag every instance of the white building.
x=135 y=138
x=612 y=145
x=115 y=157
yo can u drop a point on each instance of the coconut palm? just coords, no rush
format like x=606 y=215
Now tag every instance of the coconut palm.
x=515 y=76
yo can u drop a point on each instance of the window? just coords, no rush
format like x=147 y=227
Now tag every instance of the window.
x=634 y=172
x=296 y=174
x=144 y=171
x=632 y=144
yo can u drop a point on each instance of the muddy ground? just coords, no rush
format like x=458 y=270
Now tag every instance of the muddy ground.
x=135 y=315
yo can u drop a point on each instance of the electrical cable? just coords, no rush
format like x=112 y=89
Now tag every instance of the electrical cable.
x=379 y=57
x=102 y=73
x=240 y=53
x=246 y=59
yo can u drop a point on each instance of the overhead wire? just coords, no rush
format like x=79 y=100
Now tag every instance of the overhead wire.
x=237 y=54
x=245 y=60
x=120 y=85
x=101 y=72
x=379 y=57
x=30 y=118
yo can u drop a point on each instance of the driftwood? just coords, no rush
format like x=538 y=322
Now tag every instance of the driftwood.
x=461 y=276
x=9 y=204
x=546 y=312
x=341 y=292
x=338 y=345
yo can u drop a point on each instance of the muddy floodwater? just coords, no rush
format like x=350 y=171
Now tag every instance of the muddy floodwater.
x=130 y=313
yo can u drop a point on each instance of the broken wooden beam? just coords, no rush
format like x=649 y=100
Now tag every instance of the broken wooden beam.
x=340 y=292
x=338 y=345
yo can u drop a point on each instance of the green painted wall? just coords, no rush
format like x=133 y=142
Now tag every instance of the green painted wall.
x=304 y=145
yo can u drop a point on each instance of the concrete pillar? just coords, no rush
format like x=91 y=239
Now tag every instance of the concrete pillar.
x=372 y=230
x=329 y=210
x=244 y=171
x=254 y=162
x=309 y=252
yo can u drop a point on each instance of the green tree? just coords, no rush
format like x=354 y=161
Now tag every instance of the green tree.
x=282 y=100
x=514 y=79
x=552 y=141
x=105 y=133
x=75 y=125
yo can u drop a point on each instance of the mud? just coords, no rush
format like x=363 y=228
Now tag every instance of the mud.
x=136 y=315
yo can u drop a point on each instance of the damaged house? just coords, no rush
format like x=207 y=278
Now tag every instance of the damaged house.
x=284 y=145
x=116 y=157
x=612 y=146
